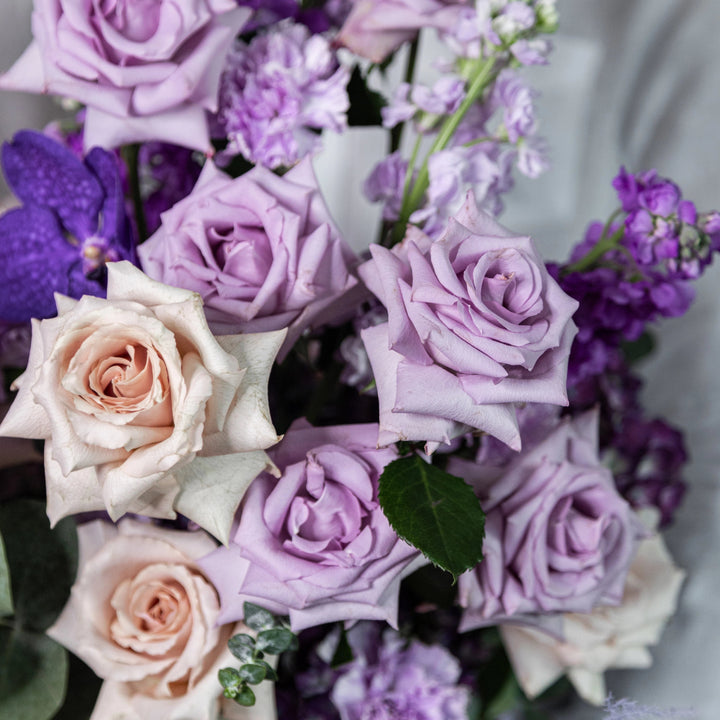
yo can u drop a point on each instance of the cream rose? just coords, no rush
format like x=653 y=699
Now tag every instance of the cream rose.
x=608 y=637
x=141 y=408
x=144 y=618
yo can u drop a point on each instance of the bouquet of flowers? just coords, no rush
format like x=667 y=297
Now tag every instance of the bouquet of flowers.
x=257 y=472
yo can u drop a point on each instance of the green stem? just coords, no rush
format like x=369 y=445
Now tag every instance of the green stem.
x=130 y=155
x=397 y=132
x=605 y=244
x=411 y=200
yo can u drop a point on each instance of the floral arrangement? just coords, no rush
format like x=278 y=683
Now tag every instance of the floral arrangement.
x=263 y=474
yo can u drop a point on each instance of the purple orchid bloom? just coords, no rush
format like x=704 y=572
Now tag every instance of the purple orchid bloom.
x=71 y=223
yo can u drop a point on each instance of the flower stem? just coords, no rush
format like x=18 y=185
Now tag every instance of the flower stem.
x=479 y=80
x=397 y=132
x=604 y=245
x=130 y=155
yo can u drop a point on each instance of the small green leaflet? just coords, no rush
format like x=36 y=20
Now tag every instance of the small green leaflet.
x=436 y=512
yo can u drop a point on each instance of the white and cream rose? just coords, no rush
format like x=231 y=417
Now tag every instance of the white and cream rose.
x=142 y=409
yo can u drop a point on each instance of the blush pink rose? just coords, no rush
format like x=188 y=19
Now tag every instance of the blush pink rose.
x=146 y=69
x=261 y=250
x=143 y=616
x=315 y=543
x=375 y=28
x=141 y=408
x=475 y=325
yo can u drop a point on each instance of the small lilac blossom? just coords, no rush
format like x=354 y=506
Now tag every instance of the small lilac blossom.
x=260 y=249
x=386 y=184
x=357 y=371
x=376 y=28
x=71 y=223
x=532 y=157
x=531 y=52
x=404 y=681
x=558 y=536
x=512 y=19
x=315 y=543
x=425 y=104
x=514 y=98
x=625 y=709
x=276 y=91
x=145 y=70
x=475 y=325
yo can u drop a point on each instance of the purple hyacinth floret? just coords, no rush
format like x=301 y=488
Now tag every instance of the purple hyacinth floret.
x=277 y=91
x=71 y=223
x=399 y=681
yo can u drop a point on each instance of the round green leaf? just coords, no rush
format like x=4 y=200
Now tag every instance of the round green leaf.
x=252 y=673
x=256 y=617
x=242 y=646
x=245 y=697
x=276 y=640
x=33 y=675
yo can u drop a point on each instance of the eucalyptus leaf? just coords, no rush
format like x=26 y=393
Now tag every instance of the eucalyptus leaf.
x=276 y=640
x=245 y=697
x=42 y=562
x=6 y=603
x=270 y=672
x=436 y=512
x=252 y=673
x=33 y=675
x=229 y=678
x=242 y=646
x=256 y=617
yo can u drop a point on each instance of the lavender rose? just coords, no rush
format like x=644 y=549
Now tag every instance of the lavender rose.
x=315 y=544
x=475 y=324
x=261 y=250
x=559 y=537
x=375 y=28
x=146 y=69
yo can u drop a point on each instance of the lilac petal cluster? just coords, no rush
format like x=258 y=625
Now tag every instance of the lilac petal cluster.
x=559 y=537
x=314 y=543
x=400 y=680
x=277 y=91
x=386 y=184
x=426 y=104
x=71 y=223
x=662 y=229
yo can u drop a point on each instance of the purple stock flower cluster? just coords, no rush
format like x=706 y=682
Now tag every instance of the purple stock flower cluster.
x=276 y=91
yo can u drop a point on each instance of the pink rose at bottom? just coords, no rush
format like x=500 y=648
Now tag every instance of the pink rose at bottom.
x=315 y=544
x=145 y=619
x=608 y=637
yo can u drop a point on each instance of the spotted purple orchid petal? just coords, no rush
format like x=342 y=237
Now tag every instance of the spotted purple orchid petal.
x=72 y=222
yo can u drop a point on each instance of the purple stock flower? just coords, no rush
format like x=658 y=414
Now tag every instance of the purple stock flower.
x=386 y=184
x=559 y=537
x=399 y=681
x=72 y=221
x=515 y=98
x=276 y=91
x=315 y=543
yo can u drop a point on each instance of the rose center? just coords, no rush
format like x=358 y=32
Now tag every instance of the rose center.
x=242 y=252
x=123 y=376
x=136 y=20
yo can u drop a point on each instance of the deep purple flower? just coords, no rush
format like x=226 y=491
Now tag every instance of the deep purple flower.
x=72 y=221
x=399 y=681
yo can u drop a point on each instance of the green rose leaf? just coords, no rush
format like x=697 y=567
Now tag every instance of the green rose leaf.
x=436 y=512
x=276 y=641
x=42 y=562
x=6 y=603
x=33 y=675
x=256 y=617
